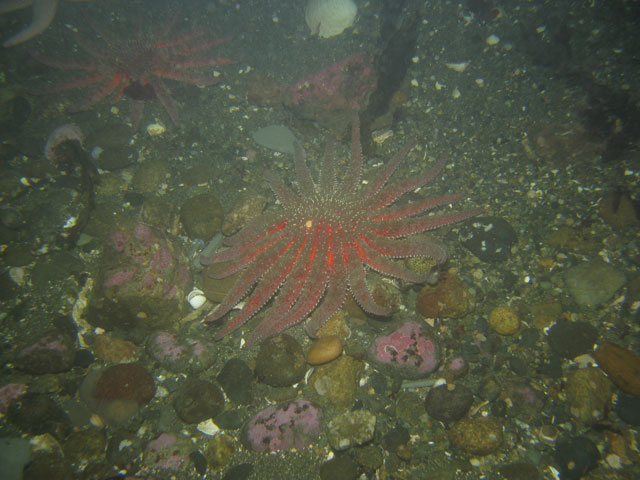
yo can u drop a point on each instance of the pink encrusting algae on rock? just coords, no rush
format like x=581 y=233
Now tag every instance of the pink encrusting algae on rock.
x=408 y=348
x=281 y=427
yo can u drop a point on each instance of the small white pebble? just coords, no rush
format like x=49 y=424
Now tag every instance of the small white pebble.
x=493 y=39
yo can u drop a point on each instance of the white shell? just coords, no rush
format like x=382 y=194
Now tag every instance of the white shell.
x=196 y=298
x=458 y=66
x=327 y=18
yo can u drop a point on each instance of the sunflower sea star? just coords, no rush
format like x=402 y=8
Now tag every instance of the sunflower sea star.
x=317 y=247
x=135 y=62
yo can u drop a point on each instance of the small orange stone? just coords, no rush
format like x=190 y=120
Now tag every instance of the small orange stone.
x=324 y=350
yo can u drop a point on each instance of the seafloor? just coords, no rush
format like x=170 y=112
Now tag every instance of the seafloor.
x=534 y=103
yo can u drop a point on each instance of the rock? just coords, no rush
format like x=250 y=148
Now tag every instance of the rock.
x=201 y=216
x=236 y=378
x=85 y=446
x=407 y=352
x=576 y=457
x=117 y=392
x=409 y=408
x=280 y=361
x=588 y=395
x=179 y=355
x=149 y=176
x=324 y=350
x=338 y=381
x=351 y=428
x=127 y=381
x=488 y=238
x=198 y=400
x=52 y=353
x=593 y=283
x=621 y=365
x=15 y=453
x=282 y=427
x=48 y=465
x=448 y=298
x=570 y=339
x=167 y=452
x=617 y=209
x=114 y=350
x=448 y=403
x=9 y=393
x=37 y=414
x=477 y=436
x=143 y=282
x=275 y=137
x=628 y=409
x=455 y=368
x=339 y=468
x=219 y=451
x=504 y=320
x=370 y=457
x=244 y=210
x=519 y=471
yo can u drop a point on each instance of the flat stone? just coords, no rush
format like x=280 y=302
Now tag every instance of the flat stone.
x=593 y=283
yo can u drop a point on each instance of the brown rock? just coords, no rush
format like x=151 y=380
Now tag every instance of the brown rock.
x=617 y=209
x=244 y=210
x=448 y=298
x=201 y=216
x=622 y=366
x=504 y=320
x=324 y=350
x=588 y=395
x=115 y=350
x=477 y=436
x=338 y=381
x=127 y=381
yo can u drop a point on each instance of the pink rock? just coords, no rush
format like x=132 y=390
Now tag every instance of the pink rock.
x=346 y=83
x=407 y=351
x=119 y=278
x=282 y=427
x=167 y=347
x=120 y=240
x=9 y=393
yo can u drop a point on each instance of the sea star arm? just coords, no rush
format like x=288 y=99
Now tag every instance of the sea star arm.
x=43 y=13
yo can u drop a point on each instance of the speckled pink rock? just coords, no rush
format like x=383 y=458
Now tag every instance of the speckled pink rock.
x=408 y=351
x=281 y=427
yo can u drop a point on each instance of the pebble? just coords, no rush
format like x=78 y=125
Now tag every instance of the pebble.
x=504 y=320
x=449 y=298
x=621 y=365
x=588 y=393
x=338 y=381
x=593 y=283
x=448 y=403
x=351 y=428
x=198 y=400
x=324 y=350
x=477 y=436
x=576 y=457
x=488 y=238
x=280 y=361
x=236 y=378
